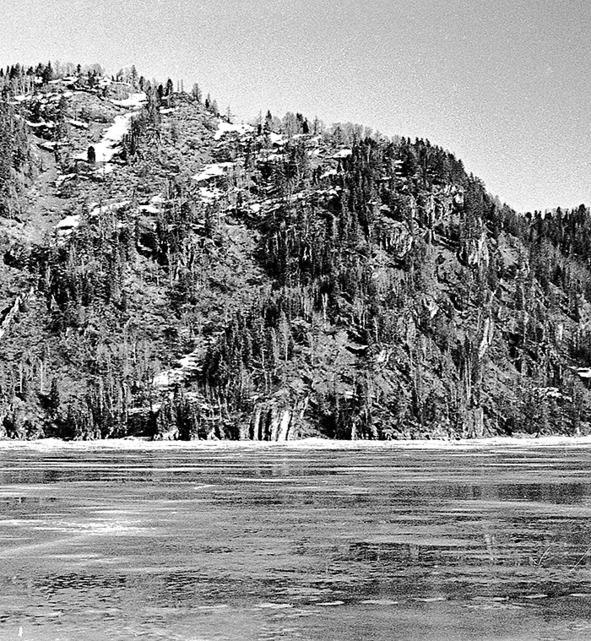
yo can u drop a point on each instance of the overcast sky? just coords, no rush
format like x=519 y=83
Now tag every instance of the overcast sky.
x=504 y=84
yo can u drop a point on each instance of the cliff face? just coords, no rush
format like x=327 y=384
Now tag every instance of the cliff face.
x=166 y=272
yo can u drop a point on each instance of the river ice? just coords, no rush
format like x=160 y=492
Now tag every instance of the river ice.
x=299 y=541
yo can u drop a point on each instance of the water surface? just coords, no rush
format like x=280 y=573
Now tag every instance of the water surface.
x=264 y=543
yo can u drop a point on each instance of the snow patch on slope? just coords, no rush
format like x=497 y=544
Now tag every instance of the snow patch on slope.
x=68 y=224
x=107 y=147
x=227 y=127
x=343 y=153
x=212 y=171
x=135 y=101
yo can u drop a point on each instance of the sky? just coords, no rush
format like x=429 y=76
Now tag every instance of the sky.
x=503 y=84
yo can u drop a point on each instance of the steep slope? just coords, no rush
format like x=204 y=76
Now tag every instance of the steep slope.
x=169 y=273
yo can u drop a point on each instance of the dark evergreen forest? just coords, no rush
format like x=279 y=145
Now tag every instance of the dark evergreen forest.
x=199 y=279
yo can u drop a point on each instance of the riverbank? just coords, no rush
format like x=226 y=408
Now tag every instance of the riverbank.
x=135 y=443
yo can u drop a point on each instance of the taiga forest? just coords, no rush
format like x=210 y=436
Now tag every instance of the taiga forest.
x=167 y=272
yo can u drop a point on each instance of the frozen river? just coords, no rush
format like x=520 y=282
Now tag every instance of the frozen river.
x=229 y=543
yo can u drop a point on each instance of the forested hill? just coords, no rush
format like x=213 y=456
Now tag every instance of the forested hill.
x=168 y=273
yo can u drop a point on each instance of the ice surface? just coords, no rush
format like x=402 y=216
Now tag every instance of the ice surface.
x=235 y=541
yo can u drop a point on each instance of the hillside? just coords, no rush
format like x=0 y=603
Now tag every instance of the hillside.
x=169 y=273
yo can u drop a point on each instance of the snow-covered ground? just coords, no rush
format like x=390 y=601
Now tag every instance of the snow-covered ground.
x=155 y=205
x=135 y=101
x=226 y=127
x=134 y=443
x=149 y=209
x=188 y=365
x=36 y=125
x=214 y=170
x=98 y=210
x=343 y=153
x=108 y=146
x=67 y=225
x=78 y=123
x=277 y=139
x=209 y=195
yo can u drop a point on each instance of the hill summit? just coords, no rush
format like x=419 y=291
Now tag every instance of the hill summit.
x=168 y=272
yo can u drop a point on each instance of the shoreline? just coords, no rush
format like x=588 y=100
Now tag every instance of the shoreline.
x=138 y=443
